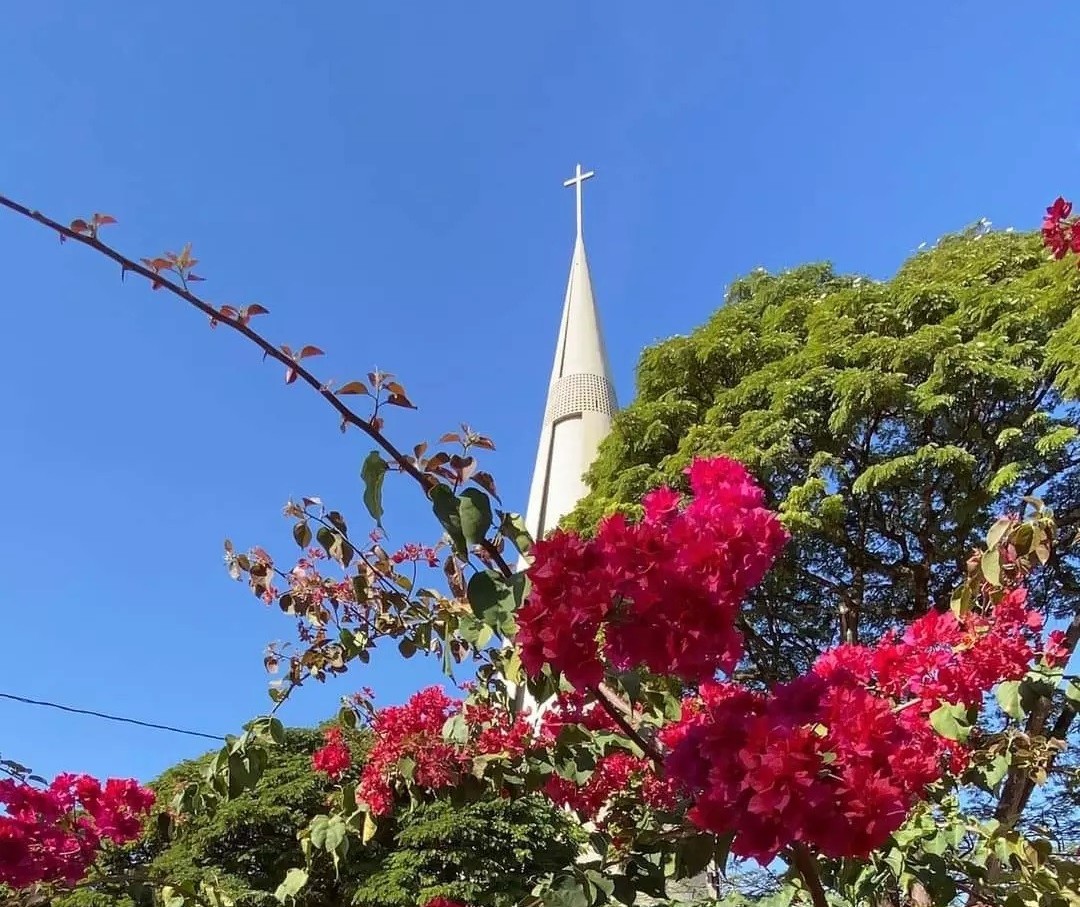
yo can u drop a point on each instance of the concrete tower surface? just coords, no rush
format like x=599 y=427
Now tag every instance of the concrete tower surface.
x=581 y=396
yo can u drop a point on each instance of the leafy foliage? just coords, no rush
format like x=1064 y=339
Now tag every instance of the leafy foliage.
x=248 y=845
x=493 y=851
x=887 y=421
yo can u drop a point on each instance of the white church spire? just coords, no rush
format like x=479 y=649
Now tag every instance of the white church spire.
x=581 y=396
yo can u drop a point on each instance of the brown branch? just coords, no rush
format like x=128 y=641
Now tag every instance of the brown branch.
x=269 y=350
x=806 y=865
x=617 y=716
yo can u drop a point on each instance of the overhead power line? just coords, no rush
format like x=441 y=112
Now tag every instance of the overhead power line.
x=118 y=718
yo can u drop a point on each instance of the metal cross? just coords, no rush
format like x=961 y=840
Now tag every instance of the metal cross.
x=576 y=181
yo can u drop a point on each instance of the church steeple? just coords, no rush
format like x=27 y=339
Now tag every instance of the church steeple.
x=581 y=396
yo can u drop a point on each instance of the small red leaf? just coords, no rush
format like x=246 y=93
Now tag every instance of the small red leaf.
x=103 y=220
x=400 y=400
x=228 y=311
x=481 y=441
x=485 y=481
x=396 y=389
x=287 y=350
x=353 y=387
x=193 y=277
x=80 y=226
x=290 y=376
x=310 y=351
x=450 y=438
x=256 y=309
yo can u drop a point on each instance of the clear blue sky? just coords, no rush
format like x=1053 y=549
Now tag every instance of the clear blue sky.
x=385 y=178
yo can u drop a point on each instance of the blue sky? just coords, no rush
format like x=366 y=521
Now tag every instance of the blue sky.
x=385 y=178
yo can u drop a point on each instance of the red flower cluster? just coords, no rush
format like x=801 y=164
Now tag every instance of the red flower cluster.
x=1056 y=652
x=416 y=553
x=333 y=759
x=836 y=759
x=616 y=776
x=941 y=658
x=1061 y=233
x=414 y=731
x=443 y=902
x=53 y=834
x=662 y=593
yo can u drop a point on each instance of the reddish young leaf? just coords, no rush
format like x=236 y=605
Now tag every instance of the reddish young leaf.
x=395 y=389
x=80 y=226
x=418 y=451
x=103 y=220
x=450 y=438
x=255 y=309
x=487 y=482
x=290 y=375
x=287 y=350
x=353 y=387
x=310 y=351
x=481 y=441
x=195 y=277
x=400 y=400
x=439 y=459
x=228 y=311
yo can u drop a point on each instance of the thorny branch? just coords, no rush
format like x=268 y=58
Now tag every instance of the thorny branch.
x=348 y=416
x=293 y=364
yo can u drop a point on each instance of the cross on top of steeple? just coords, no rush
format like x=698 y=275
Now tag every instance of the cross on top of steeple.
x=577 y=180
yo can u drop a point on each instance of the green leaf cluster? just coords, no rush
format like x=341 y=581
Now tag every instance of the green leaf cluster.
x=250 y=849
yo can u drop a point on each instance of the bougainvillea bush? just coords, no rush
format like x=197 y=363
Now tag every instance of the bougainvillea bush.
x=605 y=676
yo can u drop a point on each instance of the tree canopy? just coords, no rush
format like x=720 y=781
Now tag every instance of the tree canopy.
x=889 y=422
x=247 y=846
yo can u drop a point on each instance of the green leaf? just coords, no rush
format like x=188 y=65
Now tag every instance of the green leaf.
x=302 y=534
x=1072 y=691
x=455 y=730
x=294 y=883
x=997 y=770
x=997 y=531
x=495 y=599
x=693 y=855
x=474 y=510
x=951 y=722
x=317 y=831
x=991 y=567
x=370 y=828
x=444 y=503
x=962 y=600
x=512 y=527
x=1008 y=697
x=373 y=472
x=171 y=897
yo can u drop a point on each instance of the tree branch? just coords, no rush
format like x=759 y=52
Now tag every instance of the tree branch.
x=627 y=728
x=348 y=416
x=804 y=863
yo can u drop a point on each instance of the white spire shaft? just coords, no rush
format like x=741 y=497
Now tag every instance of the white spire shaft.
x=581 y=397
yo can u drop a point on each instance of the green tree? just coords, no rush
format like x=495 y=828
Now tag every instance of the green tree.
x=249 y=843
x=890 y=422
